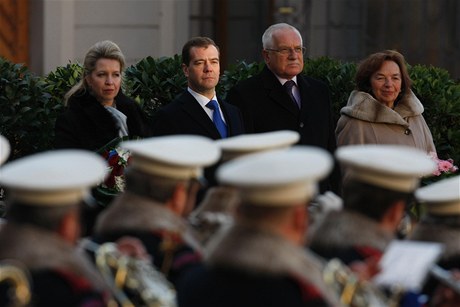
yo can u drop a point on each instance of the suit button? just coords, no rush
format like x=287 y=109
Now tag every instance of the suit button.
x=301 y=125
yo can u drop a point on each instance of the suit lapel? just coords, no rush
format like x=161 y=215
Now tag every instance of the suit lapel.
x=229 y=116
x=276 y=91
x=198 y=115
x=306 y=97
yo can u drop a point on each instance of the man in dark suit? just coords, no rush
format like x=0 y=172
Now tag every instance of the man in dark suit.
x=268 y=104
x=192 y=112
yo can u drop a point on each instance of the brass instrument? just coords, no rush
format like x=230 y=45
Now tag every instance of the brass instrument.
x=215 y=213
x=354 y=292
x=134 y=282
x=207 y=224
x=18 y=281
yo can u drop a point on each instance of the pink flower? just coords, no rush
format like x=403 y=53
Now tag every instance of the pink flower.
x=444 y=166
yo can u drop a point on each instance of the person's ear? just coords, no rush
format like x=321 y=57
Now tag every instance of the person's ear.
x=265 y=56
x=88 y=80
x=178 y=199
x=69 y=227
x=300 y=222
x=393 y=215
x=185 y=69
x=192 y=192
x=301 y=217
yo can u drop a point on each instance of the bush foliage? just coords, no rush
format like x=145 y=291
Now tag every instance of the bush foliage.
x=29 y=104
x=26 y=110
x=155 y=82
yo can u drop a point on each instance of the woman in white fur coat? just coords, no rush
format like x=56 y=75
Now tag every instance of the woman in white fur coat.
x=383 y=109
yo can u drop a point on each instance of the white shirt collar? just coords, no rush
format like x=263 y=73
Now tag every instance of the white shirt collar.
x=202 y=100
x=282 y=80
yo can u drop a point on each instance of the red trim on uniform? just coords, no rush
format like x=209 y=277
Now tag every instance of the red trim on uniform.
x=368 y=252
x=187 y=258
x=309 y=292
x=78 y=283
x=174 y=236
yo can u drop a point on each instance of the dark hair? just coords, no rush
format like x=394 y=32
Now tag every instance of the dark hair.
x=199 y=41
x=41 y=216
x=157 y=188
x=373 y=63
x=370 y=200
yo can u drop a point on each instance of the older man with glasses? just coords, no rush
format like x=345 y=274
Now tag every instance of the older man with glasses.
x=281 y=97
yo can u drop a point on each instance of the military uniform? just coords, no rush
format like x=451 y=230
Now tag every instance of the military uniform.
x=440 y=224
x=159 y=224
x=442 y=221
x=357 y=232
x=166 y=236
x=341 y=236
x=260 y=260
x=60 y=276
x=41 y=194
x=252 y=267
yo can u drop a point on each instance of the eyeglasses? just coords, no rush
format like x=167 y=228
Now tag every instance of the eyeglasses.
x=287 y=51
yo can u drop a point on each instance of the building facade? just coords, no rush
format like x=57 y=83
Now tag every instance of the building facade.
x=50 y=33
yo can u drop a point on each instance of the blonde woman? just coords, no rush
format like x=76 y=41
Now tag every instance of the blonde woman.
x=96 y=109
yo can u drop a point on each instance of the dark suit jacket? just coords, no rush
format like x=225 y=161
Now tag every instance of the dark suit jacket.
x=184 y=115
x=267 y=107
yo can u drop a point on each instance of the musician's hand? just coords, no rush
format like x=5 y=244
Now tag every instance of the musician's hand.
x=132 y=247
x=366 y=270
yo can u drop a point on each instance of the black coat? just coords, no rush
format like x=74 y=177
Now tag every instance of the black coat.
x=266 y=106
x=184 y=115
x=86 y=124
x=57 y=288
x=206 y=287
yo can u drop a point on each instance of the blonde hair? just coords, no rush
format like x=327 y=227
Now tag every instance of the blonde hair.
x=101 y=50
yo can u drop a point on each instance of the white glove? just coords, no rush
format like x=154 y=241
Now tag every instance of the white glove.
x=329 y=201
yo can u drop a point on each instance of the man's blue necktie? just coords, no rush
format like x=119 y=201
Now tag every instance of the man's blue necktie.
x=288 y=85
x=217 y=119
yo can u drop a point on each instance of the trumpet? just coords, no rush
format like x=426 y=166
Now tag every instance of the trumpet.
x=354 y=292
x=18 y=280
x=134 y=282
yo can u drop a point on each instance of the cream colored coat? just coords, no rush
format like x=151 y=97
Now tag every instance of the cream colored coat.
x=364 y=120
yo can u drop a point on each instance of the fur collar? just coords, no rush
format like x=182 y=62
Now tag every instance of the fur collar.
x=363 y=106
x=130 y=212
x=431 y=232
x=252 y=249
x=40 y=249
x=346 y=228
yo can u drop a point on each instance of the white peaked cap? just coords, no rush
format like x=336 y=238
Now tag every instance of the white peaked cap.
x=442 y=197
x=53 y=178
x=4 y=149
x=393 y=167
x=176 y=156
x=243 y=144
x=277 y=178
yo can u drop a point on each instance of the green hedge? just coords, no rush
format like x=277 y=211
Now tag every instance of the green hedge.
x=29 y=104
